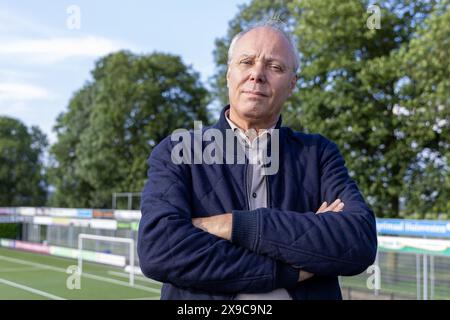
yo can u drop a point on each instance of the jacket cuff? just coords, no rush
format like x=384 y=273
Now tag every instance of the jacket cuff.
x=286 y=275
x=244 y=228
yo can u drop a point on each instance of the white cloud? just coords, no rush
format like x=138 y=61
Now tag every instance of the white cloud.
x=52 y=50
x=23 y=39
x=12 y=75
x=14 y=23
x=31 y=104
x=16 y=92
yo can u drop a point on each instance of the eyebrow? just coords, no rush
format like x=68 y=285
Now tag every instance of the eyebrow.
x=270 y=59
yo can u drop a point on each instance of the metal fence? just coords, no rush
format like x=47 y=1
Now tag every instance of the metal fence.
x=67 y=236
x=402 y=276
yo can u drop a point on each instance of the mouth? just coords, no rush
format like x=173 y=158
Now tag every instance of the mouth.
x=255 y=93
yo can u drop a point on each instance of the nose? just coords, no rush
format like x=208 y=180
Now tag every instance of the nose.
x=257 y=73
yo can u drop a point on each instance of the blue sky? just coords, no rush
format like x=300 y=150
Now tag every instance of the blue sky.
x=43 y=61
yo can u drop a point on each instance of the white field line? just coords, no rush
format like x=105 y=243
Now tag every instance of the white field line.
x=29 y=289
x=127 y=275
x=145 y=298
x=19 y=269
x=84 y=274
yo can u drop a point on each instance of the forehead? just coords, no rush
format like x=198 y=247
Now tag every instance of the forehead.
x=264 y=41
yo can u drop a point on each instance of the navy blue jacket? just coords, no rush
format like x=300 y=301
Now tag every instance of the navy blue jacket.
x=269 y=245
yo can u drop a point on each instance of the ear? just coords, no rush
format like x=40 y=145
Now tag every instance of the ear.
x=228 y=76
x=293 y=84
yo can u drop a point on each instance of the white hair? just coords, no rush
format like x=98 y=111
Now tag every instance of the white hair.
x=275 y=25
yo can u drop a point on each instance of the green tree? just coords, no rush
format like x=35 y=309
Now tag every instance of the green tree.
x=114 y=121
x=425 y=94
x=70 y=188
x=352 y=87
x=22 y=177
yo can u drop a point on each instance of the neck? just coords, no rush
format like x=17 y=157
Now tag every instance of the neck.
x=247 y=124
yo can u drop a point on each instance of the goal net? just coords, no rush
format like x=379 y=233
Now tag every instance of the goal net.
x=129 y=244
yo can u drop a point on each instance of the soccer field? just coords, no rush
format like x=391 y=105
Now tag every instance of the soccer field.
x=31 y=276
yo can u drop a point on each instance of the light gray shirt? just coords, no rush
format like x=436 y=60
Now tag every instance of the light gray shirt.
x=255 y=146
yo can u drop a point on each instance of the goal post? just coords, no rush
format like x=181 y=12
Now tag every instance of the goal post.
x=83 y=236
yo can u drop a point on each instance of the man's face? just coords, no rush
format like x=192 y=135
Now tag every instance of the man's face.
x=260 y=75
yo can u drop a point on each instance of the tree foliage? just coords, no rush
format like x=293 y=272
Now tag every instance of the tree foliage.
x=114 y=121
x=381 y=94
x=22 y=177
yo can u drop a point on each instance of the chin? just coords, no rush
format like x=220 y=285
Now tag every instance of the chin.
x=255 y=112
x=254 y=106
x=251 y=106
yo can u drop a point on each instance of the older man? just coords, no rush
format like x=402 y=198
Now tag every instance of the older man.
x=235 y=231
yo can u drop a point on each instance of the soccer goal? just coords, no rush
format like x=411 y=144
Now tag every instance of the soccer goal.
x=128 y=241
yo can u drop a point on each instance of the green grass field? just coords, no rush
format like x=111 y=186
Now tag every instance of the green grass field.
x=31 y=276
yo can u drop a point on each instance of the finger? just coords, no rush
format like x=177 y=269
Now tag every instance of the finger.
x=333 y=205
x=339 y=207
x=304 y=275
x=322 y=207
x=197 y=222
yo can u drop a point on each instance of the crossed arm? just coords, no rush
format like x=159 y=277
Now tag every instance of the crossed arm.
x=174 y=248
x=221 y=225
x=324 y=244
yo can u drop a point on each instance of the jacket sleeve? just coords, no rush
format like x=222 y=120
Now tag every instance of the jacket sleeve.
x=328 y=244
x=172 y=250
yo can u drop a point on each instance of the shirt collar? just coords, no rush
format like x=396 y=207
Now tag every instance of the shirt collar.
x=246 y=133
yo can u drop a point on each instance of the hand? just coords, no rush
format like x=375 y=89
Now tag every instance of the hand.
x=304 y=275
x=336 y=206
x=219 y=225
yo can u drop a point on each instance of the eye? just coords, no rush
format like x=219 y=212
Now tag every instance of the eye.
x=246 y=61
x=276 y=67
